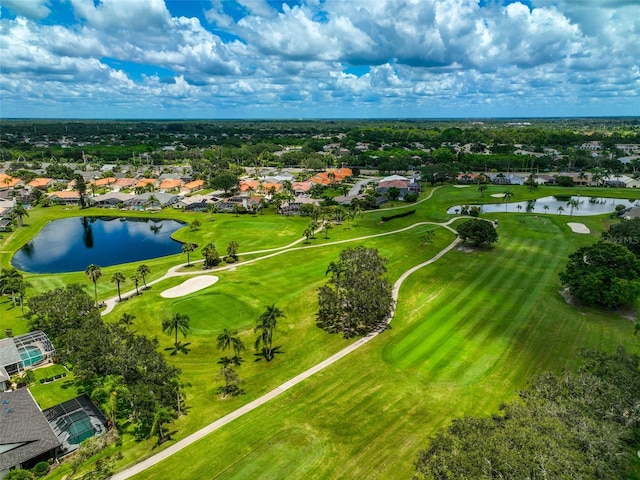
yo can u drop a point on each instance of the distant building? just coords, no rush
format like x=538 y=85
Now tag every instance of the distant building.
x=403 y=184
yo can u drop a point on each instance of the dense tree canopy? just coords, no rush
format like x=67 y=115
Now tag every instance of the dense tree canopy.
x=574 y=425
x=478 y=232
x=358 y=299
x=98 y=350
x=604 y=274
x=626 y=233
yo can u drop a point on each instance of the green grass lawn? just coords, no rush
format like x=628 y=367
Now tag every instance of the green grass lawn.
x=468 y=333
x=50 y=394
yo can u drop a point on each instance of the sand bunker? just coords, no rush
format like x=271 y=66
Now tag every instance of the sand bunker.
x=461 y=186
x=189 y=286
x=578 y=227
x=498 y=195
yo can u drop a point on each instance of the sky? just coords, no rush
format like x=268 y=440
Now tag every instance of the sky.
x=289 y=59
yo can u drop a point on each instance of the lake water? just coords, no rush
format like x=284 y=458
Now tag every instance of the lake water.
x=71 y=244
x=586 y=206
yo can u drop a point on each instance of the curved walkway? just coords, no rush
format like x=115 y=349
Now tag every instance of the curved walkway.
x=271 y=252
x=212 y=427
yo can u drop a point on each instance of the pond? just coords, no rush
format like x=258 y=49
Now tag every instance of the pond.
x=71 y=244
x=558 y=205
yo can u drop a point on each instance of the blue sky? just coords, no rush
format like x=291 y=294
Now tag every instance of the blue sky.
x=319 y=58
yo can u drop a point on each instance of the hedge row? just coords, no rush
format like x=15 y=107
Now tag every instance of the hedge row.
x=398 y=215
x=54 y=378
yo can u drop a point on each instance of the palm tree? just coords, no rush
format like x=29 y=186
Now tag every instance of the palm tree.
x=152 y=201
x=212 y=208
x=188 y=248
x=110 y=392
x=127 y=320
x=10 y=282
x=546 y=208
x=179 y=347
x=20 y=212
x=308 y=233
x=482 y=188
x=178 y=323
x=265 y=325
x=519 y=207
x=118 y=278
x=144 y=270
x=325 y=228
x=229 y=340
x=136 y=280
x=94 y=272
x=560 y=209
x=506 y=196
x=573 y=203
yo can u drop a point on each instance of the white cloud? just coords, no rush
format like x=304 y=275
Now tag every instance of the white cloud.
x=418 y=55
x=35 y=9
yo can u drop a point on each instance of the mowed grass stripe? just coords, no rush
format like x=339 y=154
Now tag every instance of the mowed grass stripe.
x=494 y=343
x=436 y=329
x=465 y=345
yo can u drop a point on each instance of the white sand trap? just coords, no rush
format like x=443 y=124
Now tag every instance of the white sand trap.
x=498 y=195
x=461 y=186
x=189 y=286
x=578 y=227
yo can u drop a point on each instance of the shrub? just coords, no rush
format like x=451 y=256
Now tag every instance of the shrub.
x=229 y=259
x=411 y=197
x=41 y=469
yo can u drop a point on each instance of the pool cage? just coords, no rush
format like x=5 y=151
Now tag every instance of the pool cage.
x=35 y=348
x=24 y=351
x=74 y=421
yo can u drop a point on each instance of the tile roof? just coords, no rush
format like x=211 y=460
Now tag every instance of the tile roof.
x=101 y=182
x=194 y=184
x=169 y=183
x=7 y=181
x=65 y=194
x=39 y=182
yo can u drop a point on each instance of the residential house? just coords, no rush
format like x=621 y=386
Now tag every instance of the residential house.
x=40 y=183
x=301 y=188
x=403 y=184
x=111 y=199
x=622 y=181
x=249 y=186
x=125 y=182
x=506 y=179
x=145 y=201
x=66 y=197
x=469 y=178
x=107 y=182
x=26 y=437
x=7 y=181
x=169 y=184
x=146 y=183
x=231 y=203
x=192 y=186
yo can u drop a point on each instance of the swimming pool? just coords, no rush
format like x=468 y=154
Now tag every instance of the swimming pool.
x=31 y=355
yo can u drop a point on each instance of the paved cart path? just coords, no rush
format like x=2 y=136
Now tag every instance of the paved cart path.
x=219 y=423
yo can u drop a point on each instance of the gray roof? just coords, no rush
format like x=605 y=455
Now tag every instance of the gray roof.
x=117 y=196
x=24 y=430
x=9 y=354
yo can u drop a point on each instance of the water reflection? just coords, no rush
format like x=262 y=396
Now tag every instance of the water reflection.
x=575 y=205
x=70 y=244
